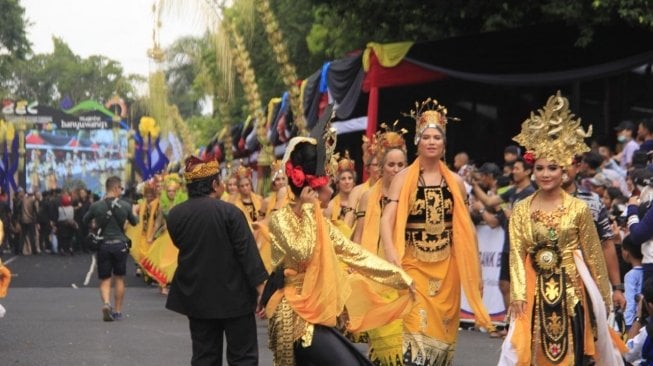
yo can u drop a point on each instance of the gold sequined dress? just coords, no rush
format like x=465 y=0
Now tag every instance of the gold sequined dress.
x=294 y=241
x=544 y=253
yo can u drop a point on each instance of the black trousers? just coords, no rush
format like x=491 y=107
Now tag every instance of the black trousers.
x=329 y=348
x=207 y=337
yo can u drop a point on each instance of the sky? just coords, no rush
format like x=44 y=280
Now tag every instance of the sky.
x=118 y=29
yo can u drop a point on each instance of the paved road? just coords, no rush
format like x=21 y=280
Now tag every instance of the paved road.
x=53 y=319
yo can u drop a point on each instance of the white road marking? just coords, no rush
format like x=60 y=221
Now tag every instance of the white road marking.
x=90 y=270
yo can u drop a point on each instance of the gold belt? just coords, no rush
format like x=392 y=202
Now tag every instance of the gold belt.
x=422 y=226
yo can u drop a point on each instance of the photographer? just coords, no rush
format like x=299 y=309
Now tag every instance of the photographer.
x=640 y=218
x=110 y=215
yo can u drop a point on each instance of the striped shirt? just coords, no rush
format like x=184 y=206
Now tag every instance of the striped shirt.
x=599 y=212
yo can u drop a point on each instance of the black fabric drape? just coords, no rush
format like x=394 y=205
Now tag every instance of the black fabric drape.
x=544 y=54
x=345 y=79
x=312 y=99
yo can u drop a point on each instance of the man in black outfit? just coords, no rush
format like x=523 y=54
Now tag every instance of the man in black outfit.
x=220 y=274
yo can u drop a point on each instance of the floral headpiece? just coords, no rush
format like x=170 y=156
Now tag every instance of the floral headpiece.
x=553 y=133
x=198 y=169
x=172 y=181
x=388 y=139
x=429 y=114
x=323 y=136
x=346 y=164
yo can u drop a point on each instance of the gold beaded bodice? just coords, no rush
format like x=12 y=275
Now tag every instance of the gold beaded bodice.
x=429 y=223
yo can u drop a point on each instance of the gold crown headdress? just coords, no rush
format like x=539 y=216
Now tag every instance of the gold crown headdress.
x=244 y=171
x=429 y=114
x=388 y=138
x=276 y=169
x=198 y=169
x=370 y=148
x=346 y=164
x=553 y=133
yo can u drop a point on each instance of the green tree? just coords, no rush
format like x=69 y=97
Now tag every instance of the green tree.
x=342 y=26
x=50 y=77
x=13 y=39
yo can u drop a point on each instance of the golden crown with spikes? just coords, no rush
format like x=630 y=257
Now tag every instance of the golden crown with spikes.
x=243 y=171
x=389 y=138
x=429 y=114
x=553 y=133
x=346 y=164
x=370 y=148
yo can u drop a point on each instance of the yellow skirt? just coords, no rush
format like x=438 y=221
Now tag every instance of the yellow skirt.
x=431 y=328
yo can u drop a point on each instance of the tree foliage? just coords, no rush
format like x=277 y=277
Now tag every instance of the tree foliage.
x=341 y=26
x=50 y=77
x=13 y=39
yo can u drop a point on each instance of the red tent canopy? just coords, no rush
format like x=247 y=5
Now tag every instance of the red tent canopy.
x=405 y=73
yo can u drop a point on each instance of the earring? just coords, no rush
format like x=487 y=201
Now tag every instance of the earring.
x=565 y=177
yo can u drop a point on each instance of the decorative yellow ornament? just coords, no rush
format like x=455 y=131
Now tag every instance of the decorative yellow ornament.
x=149 y=127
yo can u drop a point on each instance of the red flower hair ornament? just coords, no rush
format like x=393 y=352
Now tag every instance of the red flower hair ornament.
x=299 y=178
x=529 y=157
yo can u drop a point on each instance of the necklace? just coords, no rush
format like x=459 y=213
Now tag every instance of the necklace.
x=550 y=220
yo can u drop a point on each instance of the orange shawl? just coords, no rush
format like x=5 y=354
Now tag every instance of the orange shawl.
x=464 y=246
x=326 y=289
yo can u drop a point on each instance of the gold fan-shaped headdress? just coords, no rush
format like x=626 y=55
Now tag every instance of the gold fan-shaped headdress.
x=554 y=133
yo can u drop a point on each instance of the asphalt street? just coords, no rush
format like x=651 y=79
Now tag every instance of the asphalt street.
x=53 y=318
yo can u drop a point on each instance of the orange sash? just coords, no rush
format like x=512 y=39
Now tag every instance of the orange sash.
x=326 y=289
x=464 y=246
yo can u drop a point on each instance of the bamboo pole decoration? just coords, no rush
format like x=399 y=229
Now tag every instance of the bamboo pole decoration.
x=247 y=77
x=131 y=148
x=182 y=130
x=288 y=71
x=22 y=126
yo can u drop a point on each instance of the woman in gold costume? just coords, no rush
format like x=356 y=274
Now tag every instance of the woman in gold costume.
x=341 y=208
x=427 y=229
x=248 y=202
x=278 y=195
x=560 y=291
x=389 y=149
x=312 y=291
x=231 y=193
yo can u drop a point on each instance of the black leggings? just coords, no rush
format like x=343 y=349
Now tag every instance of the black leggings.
x=329 y=348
